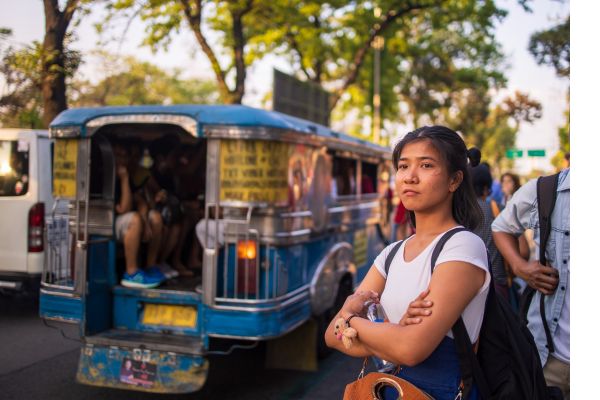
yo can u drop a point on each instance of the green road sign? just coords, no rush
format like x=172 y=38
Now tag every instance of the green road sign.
x=514 y=153
x=536 y=153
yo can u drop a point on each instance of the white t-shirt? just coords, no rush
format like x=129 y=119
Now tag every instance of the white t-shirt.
x=408 y=279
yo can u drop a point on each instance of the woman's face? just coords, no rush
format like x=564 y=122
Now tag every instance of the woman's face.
x=422 y=179
x=508 y=186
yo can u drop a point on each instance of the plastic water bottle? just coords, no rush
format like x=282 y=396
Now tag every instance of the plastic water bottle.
x=376 y=313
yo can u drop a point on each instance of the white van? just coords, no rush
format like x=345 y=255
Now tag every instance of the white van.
x=25 y=198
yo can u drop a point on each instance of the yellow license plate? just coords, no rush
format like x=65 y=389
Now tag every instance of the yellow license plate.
x=169 y=315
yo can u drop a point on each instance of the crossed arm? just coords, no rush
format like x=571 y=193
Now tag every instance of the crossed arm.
x=453 y=285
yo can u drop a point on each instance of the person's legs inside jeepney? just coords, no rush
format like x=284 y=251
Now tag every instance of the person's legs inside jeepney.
x=191 y=176
x=129 y=224
x=165 y=151
x=140 y=182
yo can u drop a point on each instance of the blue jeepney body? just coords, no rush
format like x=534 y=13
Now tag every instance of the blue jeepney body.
x=270 y=183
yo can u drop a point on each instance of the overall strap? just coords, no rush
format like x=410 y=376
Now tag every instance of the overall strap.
x=469 y=365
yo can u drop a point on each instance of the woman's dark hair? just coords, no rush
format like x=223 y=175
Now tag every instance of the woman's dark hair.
x=482 y=179
x=514 y=178
x=453 y=150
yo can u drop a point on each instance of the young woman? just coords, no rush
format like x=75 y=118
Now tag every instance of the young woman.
x=510 y=184
x=433 y=182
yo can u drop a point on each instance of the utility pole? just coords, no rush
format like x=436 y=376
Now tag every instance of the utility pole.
x=377 y=44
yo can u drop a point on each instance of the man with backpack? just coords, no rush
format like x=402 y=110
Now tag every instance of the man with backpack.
x=543 y=205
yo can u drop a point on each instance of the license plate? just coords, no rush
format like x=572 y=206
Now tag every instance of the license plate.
x=169 y=315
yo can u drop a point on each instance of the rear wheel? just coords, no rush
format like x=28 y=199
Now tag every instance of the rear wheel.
x=344 y=290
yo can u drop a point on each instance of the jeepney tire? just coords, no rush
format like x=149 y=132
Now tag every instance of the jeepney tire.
x=344 y=290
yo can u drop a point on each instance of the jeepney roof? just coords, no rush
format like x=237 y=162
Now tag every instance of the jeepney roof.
x=209 y=115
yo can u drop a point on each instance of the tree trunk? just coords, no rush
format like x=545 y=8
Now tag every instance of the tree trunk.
x=53 y=64
x=238 y=54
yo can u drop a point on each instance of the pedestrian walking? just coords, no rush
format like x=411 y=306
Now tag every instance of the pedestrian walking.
x=548 y=315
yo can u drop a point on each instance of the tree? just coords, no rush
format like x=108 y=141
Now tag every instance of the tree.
x=136 y=82
x=231 y=19
x=21 y=101
x=437 y=53
x=552 y=47
x=54 y=63
x=493 y=129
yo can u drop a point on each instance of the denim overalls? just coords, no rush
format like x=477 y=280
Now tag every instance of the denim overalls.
x=438 y=375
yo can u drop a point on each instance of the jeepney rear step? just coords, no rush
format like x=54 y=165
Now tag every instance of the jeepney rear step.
x=149 y=362
x=147 y=340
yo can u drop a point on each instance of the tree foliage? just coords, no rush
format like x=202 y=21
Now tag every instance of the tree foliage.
x=236 y=22
x=434 y=48
x=138 y=82
x=21 y=100
x=552 y=47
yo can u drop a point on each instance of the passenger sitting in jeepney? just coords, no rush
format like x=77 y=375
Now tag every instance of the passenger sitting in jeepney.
x=131 y=227
x=161 y=189
x=191 y=176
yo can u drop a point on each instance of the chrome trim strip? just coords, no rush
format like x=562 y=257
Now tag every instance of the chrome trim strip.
x=187 y=123
x=291 y=328
x=60 y=294
x=264 y=301
x=150 y=294
x=282 y=135
x=296 y=214
x=284 y=304
x=63 y=320
x=299 y=232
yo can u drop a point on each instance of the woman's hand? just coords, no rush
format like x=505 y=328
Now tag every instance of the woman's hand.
x=417 y=309
x=355 y=303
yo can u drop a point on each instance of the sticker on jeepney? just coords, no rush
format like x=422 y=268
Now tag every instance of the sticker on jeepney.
x=254 y=171
x=65 y=168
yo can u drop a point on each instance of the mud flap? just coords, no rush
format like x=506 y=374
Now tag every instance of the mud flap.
x=141 y=369
x=295 y=351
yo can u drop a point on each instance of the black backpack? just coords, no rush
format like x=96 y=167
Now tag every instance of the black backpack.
x=507 y=364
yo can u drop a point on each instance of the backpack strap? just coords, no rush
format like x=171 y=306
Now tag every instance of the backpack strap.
x=469 y=366
x=391 y=255
x=546 y=197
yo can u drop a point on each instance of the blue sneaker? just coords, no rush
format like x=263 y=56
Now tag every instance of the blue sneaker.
x=155 y=272
x=140 y=280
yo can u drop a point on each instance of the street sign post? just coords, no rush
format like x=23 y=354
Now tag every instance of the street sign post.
x=536 y=153
x=514 y=153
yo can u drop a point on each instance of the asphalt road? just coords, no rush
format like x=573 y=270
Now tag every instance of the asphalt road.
x=37 y=362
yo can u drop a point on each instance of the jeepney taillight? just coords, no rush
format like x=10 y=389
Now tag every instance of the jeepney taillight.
x=35 y=242
x=246 y=266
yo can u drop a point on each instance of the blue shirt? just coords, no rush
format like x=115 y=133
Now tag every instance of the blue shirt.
x=521 y=213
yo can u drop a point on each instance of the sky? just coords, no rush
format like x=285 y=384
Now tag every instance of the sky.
x=25 y=18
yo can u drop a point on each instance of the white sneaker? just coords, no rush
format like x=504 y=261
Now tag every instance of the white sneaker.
x=167 y=271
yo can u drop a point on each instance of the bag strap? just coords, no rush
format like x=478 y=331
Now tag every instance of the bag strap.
x=391 y=255
x=546 y=195
x=469 y=366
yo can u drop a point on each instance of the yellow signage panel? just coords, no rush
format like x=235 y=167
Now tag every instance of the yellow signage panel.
x=65 y=168
x=254 y=171
x=169 y=315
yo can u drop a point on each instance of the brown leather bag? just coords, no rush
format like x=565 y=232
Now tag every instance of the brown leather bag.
x=372 y=386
